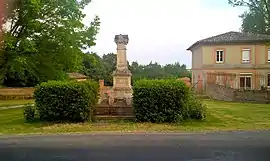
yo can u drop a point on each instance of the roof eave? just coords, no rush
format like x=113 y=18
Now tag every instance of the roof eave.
x=226 y=43
x=193 y=46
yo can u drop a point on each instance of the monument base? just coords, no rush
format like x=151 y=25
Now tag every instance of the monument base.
x=114 y=108
x=122 y=84
x=122 y=92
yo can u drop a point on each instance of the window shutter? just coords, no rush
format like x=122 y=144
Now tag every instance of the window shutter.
x=242 y=82
x=245 y=55
x=219 y=56
x=262 y=81
x=268 y=80
x=268 y=55
x=248 y=82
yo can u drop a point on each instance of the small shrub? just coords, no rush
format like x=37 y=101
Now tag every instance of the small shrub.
x=29 y=112
x=160 y=100
x=66 y=101
x=196 y=109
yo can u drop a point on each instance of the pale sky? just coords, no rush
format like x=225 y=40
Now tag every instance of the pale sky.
x=159 y=30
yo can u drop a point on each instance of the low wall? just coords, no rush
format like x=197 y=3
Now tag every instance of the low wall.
x=223 y=93
x=16 y=93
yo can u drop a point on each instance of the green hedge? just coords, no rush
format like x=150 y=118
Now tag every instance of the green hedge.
x=66 y=101
x=164 y=101
x=29 y=112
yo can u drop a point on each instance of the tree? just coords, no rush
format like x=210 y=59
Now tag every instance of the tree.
x=93 y=66
x=109 y=61
x=44 y=39
x=257 y=18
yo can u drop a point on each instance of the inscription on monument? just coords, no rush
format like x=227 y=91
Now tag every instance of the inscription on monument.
x=121 y=81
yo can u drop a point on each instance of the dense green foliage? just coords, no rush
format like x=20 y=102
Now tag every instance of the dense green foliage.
x=97 y=68
x=165 y=101
x=29 y=112
x=257 y=18
x=66 y=100
x=43 y=40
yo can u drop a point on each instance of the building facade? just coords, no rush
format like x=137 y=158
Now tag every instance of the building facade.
x=242 y=59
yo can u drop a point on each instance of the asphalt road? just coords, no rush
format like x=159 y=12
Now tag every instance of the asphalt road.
x=233 y=146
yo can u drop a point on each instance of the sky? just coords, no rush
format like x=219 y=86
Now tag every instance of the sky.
x=159 y=30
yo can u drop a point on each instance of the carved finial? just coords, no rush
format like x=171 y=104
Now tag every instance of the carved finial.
x=121 y=39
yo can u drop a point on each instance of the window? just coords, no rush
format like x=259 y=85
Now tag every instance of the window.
x=245 y=55
x=268 y=80
x=236 y=85
x=262 y=81
x=219 y=79
x=245 y=81
x=268 y=60
x=219 y=56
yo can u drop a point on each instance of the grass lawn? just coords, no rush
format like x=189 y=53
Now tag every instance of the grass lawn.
x=222 y=116
x=6 y=103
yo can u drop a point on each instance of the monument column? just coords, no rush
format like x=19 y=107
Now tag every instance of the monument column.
x=122 y=75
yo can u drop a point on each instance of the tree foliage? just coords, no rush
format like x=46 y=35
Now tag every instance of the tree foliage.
x=257 y=18
x=43 y=40
x=96 y=67
x=93 y=66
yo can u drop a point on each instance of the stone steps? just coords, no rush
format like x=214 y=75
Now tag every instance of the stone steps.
x=107 y=110
x=110 y=117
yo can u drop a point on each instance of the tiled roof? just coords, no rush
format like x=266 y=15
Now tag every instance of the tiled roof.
x=232 y=37
x=76 y=75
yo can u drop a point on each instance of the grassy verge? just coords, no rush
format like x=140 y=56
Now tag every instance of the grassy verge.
x=6 y=103
x=222 y=116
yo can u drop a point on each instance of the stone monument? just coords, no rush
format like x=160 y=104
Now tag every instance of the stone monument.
x=122 y=75
x=117 y=101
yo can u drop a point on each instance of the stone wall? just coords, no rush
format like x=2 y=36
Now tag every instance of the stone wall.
x=259 y=96
x=223 y=93
x=104 y=89
x=16 y=93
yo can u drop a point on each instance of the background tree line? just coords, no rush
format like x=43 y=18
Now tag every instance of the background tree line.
x=97 y=68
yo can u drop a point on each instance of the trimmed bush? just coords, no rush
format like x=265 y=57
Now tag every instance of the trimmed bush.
x=66 y=101
x=29 y=112
x=160 y=100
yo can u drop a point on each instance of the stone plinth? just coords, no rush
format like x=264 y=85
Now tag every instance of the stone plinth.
x=122 y=75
